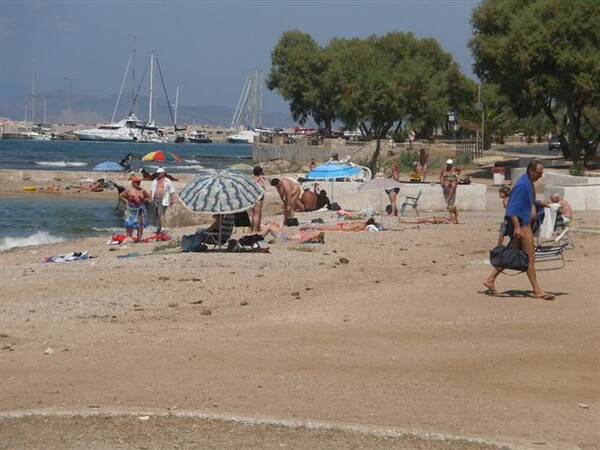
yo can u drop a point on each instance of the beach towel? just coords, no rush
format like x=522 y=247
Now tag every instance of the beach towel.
x=74 y=256
x=547 y=227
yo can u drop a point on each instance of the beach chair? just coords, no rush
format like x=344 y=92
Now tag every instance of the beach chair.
x=220 y=238
x=552 y=250
x=412 y=202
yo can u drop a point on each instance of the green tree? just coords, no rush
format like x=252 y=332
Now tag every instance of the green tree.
x=298 y=69
x=384 y=80
x=545 y=56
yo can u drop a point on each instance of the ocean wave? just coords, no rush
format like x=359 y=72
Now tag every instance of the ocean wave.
x=61 y=163
x=38 y=238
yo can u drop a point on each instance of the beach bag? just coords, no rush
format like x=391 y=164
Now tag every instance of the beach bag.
x=507 y=257
x=251 y=239
x=292 y=222
x=193 y=243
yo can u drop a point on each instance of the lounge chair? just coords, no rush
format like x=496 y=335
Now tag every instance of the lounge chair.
x=553 y=250
x=411 y=201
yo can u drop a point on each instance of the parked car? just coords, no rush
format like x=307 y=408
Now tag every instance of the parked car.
x=554 y=143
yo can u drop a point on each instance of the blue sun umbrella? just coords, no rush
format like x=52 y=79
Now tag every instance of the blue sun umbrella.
x=331 y=172
x=221 y=192
x=108 y=166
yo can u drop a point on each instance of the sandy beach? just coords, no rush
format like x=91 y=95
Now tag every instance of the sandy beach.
x=370 y=340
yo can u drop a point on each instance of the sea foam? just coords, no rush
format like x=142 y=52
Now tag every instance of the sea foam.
x=38 y=238
x=61 y=163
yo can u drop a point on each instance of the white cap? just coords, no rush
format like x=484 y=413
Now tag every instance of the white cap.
x=449 y=162
x=160 y=170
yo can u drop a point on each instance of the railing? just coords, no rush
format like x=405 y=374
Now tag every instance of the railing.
x=470 y=146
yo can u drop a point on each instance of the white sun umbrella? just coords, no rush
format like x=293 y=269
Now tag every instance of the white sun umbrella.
x=380 y=184
x=221 y=192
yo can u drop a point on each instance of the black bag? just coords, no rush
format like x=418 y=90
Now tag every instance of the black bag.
x=250 y=240
x=507 y=257
x=193 y=243
x=292 y=222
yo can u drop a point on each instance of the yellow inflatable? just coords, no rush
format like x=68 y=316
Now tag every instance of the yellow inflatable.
x=29 y=188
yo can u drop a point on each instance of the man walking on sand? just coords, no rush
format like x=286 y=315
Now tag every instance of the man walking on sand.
x=520 y=215
x=162 y=194
x=289 y=192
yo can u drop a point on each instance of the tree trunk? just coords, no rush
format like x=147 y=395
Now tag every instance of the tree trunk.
x=374 y=165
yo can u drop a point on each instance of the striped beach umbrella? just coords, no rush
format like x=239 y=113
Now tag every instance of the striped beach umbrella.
x=161 y=156
x=220 y=192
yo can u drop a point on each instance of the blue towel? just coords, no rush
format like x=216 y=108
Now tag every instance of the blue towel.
x=522 y=197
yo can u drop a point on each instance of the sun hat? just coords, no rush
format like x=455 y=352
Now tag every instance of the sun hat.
x=135 y=178
x=449 y=162
x=160 y=170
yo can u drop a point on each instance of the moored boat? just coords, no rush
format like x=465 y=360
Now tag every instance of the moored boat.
x=199 y=137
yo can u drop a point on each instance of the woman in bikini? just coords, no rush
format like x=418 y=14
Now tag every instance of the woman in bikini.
x=451 y=219
x=393 y=193
x=135 y=211
x=340 y=226
x=449 y=180
x=255 y=213
x=422 y=164
x=303 y=237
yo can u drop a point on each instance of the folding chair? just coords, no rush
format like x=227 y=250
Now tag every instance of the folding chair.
x=220 y=238
x=411 y=201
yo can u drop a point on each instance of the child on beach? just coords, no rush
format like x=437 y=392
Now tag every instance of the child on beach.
x=503 y=193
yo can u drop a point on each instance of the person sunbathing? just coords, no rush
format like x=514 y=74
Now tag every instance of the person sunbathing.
x=275 y=230
x=340 y=226
x=452 y=218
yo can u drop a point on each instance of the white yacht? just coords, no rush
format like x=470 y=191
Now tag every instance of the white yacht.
x=126 y=130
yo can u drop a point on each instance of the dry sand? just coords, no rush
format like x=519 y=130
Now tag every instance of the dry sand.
x=349 y=344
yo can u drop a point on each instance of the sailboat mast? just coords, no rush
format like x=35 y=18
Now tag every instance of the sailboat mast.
x=133 y=76
x=33 y=91
x=260 y=86
x=176 y=105
x=150 y=106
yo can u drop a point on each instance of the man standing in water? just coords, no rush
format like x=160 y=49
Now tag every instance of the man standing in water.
x=162 y=194
x=289 y=192
x=520 y=215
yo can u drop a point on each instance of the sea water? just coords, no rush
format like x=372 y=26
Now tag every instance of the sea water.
x=34 y=220
x=85 y=155
x=47 y=219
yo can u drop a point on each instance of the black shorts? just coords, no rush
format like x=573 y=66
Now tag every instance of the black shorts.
x=389 y=191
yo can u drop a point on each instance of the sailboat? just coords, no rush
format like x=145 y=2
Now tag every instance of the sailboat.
x=130 y=129
x=248 y=111
x=36 y=133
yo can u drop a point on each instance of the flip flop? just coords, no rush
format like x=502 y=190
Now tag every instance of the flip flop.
x=547 y=297
x=489 y=290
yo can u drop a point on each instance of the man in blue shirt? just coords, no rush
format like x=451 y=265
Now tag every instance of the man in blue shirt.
x=520 y=216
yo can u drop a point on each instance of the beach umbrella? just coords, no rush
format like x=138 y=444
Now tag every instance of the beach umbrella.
x=108 y=166
x=223 y=191
x=331 y=171
x=380 y=184
x=161 y=156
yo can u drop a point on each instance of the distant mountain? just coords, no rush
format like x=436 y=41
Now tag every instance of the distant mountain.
x=53 y=107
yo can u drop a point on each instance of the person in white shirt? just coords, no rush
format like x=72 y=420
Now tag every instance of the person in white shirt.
x=162 y=194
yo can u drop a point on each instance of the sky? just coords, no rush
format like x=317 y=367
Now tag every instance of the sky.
x=205 y=48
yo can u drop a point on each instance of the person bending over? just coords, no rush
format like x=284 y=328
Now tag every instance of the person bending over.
x=289 y=192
